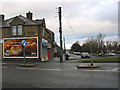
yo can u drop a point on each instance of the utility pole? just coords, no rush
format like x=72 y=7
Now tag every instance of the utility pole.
x=64 y=46
x=60 y=31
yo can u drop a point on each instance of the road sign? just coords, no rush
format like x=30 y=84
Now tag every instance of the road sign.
x=24 y=43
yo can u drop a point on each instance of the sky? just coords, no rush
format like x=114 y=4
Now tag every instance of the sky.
x=81 y=19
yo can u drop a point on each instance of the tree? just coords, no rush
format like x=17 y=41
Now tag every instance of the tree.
x=76 y=47
x=100 y=40
x=119 y=47
x=115 y=46
x=86 y=45
x=112 y=45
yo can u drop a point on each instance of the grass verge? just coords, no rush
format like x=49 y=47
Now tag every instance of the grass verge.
x=105 y=59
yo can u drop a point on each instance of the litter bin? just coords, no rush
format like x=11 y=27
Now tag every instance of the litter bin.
x=66 y=57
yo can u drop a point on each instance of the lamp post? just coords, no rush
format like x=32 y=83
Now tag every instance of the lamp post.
x=91 y=55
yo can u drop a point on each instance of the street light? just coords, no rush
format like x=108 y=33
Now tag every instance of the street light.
x=91 y=56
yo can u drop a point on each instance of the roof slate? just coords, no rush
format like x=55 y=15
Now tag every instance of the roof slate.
x=26 y=21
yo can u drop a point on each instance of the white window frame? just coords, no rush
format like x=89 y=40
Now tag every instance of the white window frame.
x=14 y=30
x=19 y=29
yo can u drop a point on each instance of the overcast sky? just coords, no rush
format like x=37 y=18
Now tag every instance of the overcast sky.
x=81 y=19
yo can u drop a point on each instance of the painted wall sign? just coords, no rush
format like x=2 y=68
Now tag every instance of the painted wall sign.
x=12 y=47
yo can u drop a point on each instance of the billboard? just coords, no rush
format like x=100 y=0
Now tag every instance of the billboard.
x=12 y=47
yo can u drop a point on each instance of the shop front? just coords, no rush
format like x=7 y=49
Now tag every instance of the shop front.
x=44 y=50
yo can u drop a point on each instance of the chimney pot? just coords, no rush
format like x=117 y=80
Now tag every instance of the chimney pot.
x=29 y=15
x=2 y=18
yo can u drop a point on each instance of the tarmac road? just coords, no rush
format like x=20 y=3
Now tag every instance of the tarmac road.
x=60 y=75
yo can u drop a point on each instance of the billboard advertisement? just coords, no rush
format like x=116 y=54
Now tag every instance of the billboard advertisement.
x=12 y=47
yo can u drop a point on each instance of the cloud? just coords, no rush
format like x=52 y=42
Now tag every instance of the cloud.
x=80 y=18
x=86 y=26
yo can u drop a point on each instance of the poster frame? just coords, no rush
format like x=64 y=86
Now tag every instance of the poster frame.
x=20 y=38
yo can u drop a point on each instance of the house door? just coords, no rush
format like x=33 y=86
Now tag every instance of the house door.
x=48 y=54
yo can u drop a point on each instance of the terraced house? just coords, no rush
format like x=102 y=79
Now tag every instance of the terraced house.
x=40 y=40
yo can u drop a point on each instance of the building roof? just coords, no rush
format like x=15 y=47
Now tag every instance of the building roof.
x=38 y=21
x=26 y=21
x=49 y=31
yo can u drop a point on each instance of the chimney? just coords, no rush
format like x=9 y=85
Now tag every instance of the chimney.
x=2 y=18
x=29 y=15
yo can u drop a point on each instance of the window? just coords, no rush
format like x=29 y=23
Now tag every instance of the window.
x=19 y=29
x=13 y=30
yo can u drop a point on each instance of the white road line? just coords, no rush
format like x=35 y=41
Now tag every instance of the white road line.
x=99 y=70
x=116 y=69
x=48 y=69
x=38 y=69
x=76 y=68
x=4 y=67
x=24 y=68
x=2 y=63
x=104 y=70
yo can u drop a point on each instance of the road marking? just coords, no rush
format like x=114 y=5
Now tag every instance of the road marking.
x=4 y=67
x=2 y=63
x=116 y=69
x=76 y=68
x=38 y=69
x=113 y=70
x=24 y=68
x=98 y=70
x=48 y=69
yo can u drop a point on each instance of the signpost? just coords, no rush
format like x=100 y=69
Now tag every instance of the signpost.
x=24 y=44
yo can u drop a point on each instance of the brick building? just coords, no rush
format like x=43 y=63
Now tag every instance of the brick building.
x=40 y=40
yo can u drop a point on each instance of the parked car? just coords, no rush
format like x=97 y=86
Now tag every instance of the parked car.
x=101 y=54
x=110 y=54
x=85 y=55
x=76 y=53
x=107 y=54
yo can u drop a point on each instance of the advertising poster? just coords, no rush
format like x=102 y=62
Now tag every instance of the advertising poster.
x=12 y=47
